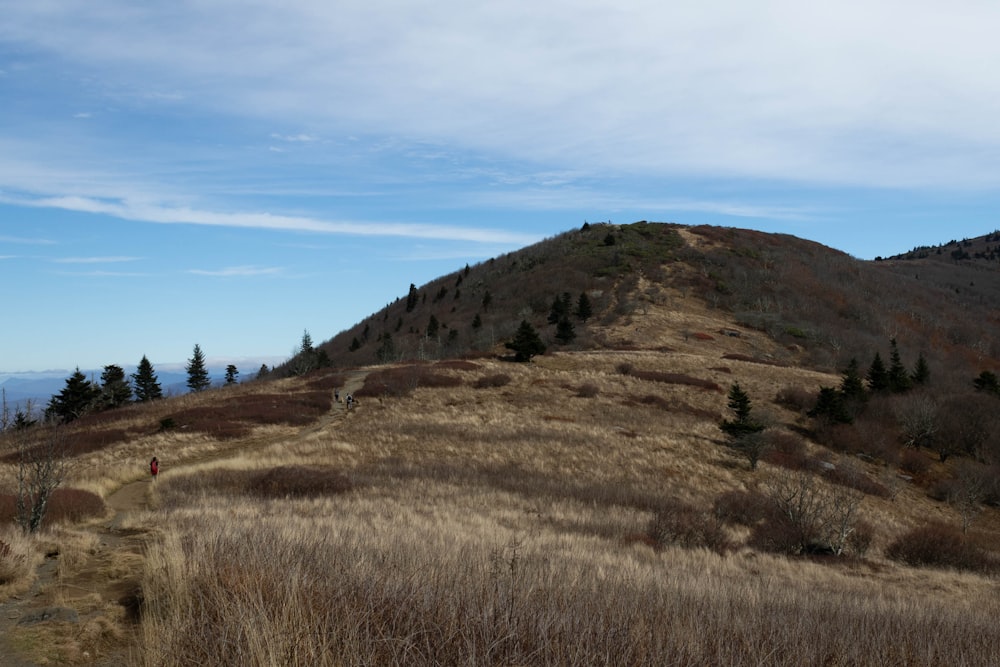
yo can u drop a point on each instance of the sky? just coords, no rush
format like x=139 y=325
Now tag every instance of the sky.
x=232 y=174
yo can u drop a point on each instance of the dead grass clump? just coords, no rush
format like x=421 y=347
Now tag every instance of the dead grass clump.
x=679 y=524
x=853 y=478
x=492 y=381
x=587 y=390
x=675 y=378
x=299 y=481
x=652 y=400
x=940 y=545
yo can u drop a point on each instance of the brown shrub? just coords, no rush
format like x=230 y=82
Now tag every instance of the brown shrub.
x=746 y=508
x=402 y=380
x=492 y=381
x=299 y=481
x=324 y=380
x=587 y=390
x=653 y=400
x=701 y=335
x=624 y=368
x=457 y=365
x=914 y=462
x=70 y=505
x=786 y=450
x=859 y=541
x=795 y=398
x=679 y=524
x=940 y=545
x=853 y=478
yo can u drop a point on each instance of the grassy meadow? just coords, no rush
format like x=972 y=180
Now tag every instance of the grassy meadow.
x=478 y=512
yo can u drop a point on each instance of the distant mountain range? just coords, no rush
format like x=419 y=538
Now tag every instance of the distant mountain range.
x=39 y=386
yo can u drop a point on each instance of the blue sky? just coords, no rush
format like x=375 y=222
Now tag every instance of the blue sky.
x=233 y=173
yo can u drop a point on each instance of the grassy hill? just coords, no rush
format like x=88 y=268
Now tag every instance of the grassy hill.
x=584 y=508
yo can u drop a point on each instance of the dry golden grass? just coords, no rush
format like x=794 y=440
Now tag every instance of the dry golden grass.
x=506 y=523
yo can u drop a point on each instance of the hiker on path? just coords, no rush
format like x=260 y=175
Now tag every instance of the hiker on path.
x=336 y=396
x=350 y=401
x=154 y=468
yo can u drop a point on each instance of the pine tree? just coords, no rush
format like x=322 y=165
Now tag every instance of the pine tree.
x=198 y=379
x=115 y=390
x=477 y=321
x=852 y=386
x=830 y=405
x=487 y=300
x=355 y=345
x=988 y=382
x=75 y=399
x=743 y=424
x=921 y=371
x=386 y=351
x=899 y=377
x=526 y=343
x=263 y=372
x=432 y=327
x=231 y=374
x=560 y=308
x=878 y=376
x=147 y=386
x=565 y=333
x=411 y=298
x=583 y=307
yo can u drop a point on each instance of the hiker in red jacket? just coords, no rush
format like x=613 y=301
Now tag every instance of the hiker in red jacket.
x=154 y=468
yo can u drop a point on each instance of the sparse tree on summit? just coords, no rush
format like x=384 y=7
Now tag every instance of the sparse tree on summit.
x=75 y=399
x=115 y=390
x=147 y=386
x=198 y=379
x=231 y=374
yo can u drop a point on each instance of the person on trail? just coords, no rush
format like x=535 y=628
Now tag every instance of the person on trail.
x=336 y=396
x=350 y=401
x=154 y=468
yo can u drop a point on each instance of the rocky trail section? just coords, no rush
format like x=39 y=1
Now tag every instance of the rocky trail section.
x=87 y=613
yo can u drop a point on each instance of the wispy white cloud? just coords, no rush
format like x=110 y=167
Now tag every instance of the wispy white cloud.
x=296 y=138
x=26 y=240
x=94 y=260
x=148 y=212
x=238 y=271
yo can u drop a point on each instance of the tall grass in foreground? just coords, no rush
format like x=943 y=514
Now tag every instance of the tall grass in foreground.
x=368 y=579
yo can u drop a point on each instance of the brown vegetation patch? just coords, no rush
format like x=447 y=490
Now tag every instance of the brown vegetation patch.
x=490 y=381
x=457 y=365
x=233 y=418
x=940 y=545
x=401 y=380
x=701 y=335
x=325 y=380
x=679 y=524
x=299 y=481
x=69 y=505
x=736 y=356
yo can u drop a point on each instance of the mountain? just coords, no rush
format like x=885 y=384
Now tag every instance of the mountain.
x=820 y=306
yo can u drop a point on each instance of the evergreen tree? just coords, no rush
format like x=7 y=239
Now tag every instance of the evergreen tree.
x=411 y=298
x=487 y=300
x=386 y=351
x=921 y=371
x=560 y=308
x=198 y=379
x=899 y=377
x=878 y=376
x=231 y=374
x=263 y=372
x=75 y=399
x=565 y=333
x=744 y=423
x=115 y=390
x=526 y=343
x=305 y=357
x=147 y=385
x=830 y=405
x=988 y=382
x=355 y=345
x=432 y=327
x=477 y=321
x=852 y=386
x=583 y=307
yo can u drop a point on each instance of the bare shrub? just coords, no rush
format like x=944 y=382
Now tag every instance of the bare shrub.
x=746 y=508
x=682 y=525
x=914 y=462
x=940 y=545
x=860 y=541
x=850 y=476
x=653 y=400
x=624 y=368
x=492 y=381
x=787 y=450
x=587 y=390
x=795 y=398
x=299 y=481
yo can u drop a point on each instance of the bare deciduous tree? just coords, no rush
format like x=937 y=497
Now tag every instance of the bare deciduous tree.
x=818 y=516
x=42 y=466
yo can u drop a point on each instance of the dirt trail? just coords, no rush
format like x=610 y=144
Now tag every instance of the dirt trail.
x=97 y=592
